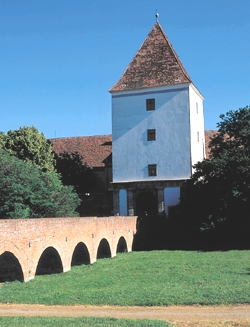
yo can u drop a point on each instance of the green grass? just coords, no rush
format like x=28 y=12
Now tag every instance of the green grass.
x=77 y=322
x=144 y=279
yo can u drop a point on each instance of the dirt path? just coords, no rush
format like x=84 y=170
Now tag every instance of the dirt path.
x=238 y=315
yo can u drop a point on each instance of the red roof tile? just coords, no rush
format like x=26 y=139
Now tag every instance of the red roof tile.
x=95 y=150
x=155 y=64
x=208 y=135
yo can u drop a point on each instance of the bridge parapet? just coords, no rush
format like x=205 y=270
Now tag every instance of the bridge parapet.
x=28 y=239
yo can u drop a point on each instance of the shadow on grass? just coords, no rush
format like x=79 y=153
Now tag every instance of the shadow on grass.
x=159 y=233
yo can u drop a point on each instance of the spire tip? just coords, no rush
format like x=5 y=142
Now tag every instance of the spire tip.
x=156 y=16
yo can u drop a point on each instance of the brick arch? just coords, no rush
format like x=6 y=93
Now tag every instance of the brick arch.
x=27 y=239
x=39 y=249
x=50 y=262
x=128 y=238
x=80 y=255
x=122 y=245
x=103 y=249
x=19 y=255
x=72 y=244
x=10 y=268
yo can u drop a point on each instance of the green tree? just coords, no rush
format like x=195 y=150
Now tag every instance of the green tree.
x=218 y=194
x=28 y=192
x=28 y=144
x=75 y=172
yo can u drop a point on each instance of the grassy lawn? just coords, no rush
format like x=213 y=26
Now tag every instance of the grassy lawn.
x=144 y=279
x=77 y=322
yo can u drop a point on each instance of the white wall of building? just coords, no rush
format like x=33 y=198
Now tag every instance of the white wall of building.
x=172 y=148
x=197 y=125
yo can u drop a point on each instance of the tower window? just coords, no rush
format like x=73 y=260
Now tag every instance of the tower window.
x=197 y=107
x=198 y=137
x=151 y=134
x=152 y=170
x=150 y=104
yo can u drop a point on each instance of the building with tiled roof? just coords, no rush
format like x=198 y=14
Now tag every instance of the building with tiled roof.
x=96 y=152
x=157 y=132
x=157 y=128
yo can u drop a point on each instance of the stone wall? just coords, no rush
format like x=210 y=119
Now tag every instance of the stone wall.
x=27 y=239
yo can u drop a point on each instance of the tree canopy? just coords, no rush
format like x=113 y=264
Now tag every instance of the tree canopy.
x=75 y=172
x=28 y=144
x=218 y=194
x=28 y=192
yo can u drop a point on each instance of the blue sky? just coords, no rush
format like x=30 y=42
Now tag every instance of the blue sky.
x=59 y=58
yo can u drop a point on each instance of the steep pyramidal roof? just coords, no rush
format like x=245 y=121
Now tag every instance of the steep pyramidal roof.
x=155 y=64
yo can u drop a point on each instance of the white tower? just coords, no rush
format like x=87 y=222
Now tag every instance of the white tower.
x=157 y=129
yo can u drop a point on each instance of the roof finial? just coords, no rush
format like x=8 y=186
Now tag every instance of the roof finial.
x=156 y=16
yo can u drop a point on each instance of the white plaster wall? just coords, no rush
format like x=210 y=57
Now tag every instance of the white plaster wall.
x=171 y=151
x=197 y=125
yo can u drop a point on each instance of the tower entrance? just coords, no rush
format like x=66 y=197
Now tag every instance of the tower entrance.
x=146 y=204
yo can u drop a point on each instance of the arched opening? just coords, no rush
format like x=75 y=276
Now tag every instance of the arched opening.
x=103 y=249
x=10 y=268
x=146 y=204
x=122 y=245
x=80 y=255
x=49 y=262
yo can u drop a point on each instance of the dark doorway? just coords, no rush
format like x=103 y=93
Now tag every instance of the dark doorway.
x=122 y=245
x=10 y=268
x=80 y=255
x=49 y=263
x=103 y=249
x=146 y=204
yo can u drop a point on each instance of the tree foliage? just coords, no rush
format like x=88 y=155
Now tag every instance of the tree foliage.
x=218 y=194
x=28 y=144
x=75 y=172
x=26 y=191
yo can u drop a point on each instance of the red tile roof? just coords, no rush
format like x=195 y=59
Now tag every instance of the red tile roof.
x=95 y=150
x=208 y=135
x=155 y=64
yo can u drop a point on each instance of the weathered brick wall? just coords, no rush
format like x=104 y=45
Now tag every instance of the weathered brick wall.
x=28 y=238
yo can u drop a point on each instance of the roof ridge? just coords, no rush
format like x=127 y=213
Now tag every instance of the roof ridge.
x=155 y=64
x=174 y=52
x=75 y=137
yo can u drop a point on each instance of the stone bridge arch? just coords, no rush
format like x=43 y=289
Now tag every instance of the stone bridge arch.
x=49 y=263
x=80 y=255
x=103 y=250
x=122 y=245
x=20 y=256
x=27 y=239
x=10 y=268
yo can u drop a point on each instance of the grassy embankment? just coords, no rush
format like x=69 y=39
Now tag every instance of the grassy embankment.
x=157 y=278
x=138 y=278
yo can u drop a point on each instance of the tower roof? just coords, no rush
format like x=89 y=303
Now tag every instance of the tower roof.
x=155 y=64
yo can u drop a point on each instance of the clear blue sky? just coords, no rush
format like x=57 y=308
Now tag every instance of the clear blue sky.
x=59 y=58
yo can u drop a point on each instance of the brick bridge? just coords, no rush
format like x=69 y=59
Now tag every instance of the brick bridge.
x=30 y=247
